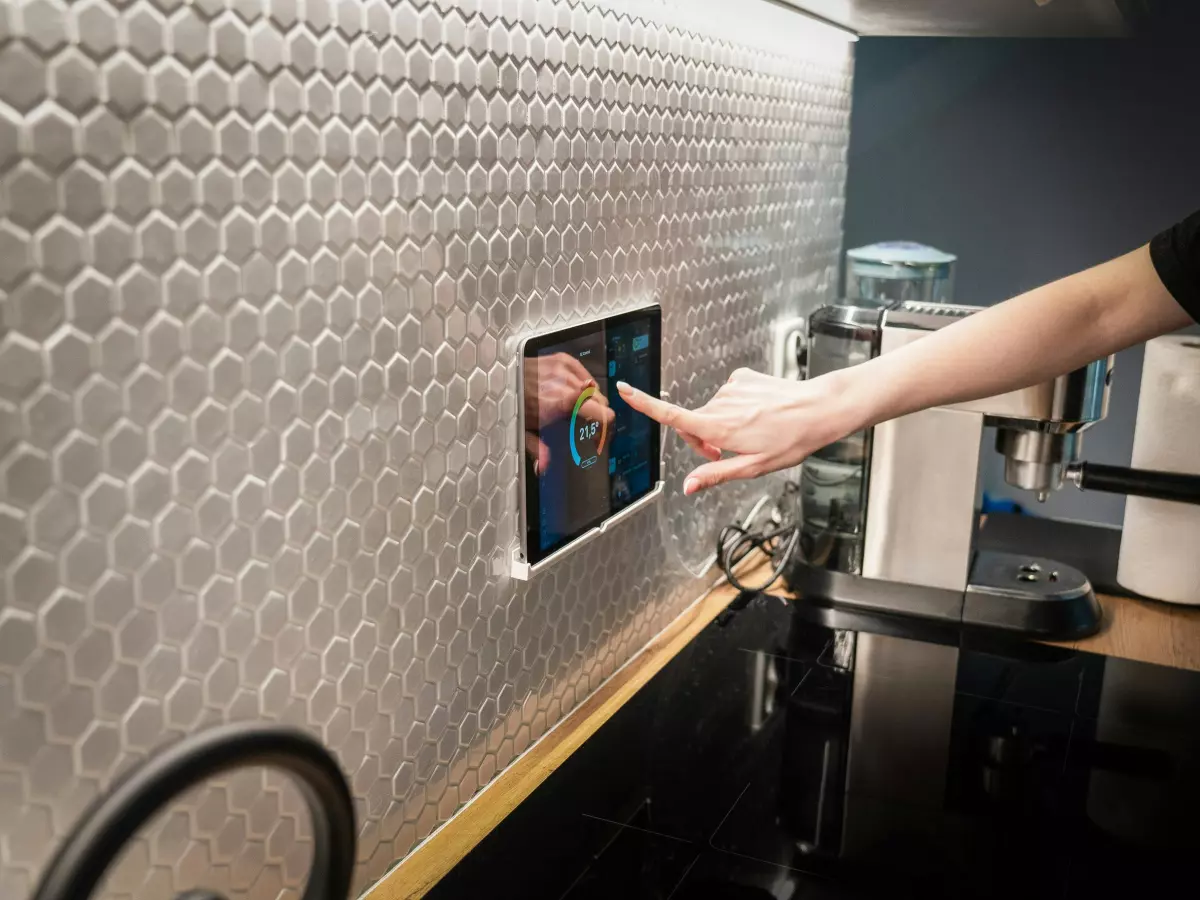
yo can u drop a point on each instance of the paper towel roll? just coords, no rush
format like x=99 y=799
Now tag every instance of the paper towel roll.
x=1160 y=545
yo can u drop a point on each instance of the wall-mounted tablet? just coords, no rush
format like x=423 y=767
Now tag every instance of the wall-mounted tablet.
x=587 y=454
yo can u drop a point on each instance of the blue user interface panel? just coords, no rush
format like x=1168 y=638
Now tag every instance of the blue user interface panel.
x=588 y=454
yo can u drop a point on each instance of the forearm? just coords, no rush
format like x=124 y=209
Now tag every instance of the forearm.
x=1031 y=338
x=762 y=424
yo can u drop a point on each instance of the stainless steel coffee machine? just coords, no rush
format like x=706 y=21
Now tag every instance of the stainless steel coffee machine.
x=890 y=515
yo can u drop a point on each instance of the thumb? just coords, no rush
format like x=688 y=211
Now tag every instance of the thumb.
x=748 y=465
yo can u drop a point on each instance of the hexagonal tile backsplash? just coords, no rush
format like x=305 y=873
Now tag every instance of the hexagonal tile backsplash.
x=259 y=264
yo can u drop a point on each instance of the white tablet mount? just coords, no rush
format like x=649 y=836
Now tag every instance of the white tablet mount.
x=524 y=571
x=515 y=562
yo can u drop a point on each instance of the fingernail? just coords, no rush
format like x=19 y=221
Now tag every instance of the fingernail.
x=691 y=486
x=623 y=387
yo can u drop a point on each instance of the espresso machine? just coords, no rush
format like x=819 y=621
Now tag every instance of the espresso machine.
x=889 y=514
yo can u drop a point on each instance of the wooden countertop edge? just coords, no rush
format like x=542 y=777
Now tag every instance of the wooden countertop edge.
x=417 y=873
x=1147 y=631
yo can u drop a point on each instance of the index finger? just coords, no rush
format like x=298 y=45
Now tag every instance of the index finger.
x=668 y=413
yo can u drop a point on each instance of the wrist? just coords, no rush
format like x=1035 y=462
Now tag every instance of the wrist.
x=849 y=401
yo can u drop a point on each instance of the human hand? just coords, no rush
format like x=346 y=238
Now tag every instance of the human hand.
x=552 y=385
x=767 y=423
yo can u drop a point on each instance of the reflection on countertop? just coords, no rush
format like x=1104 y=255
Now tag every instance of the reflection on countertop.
x=793 y=751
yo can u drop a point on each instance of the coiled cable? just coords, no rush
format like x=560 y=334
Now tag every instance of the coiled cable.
x=775 y=533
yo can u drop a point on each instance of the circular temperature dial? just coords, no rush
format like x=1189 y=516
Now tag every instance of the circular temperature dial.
x=587 y=435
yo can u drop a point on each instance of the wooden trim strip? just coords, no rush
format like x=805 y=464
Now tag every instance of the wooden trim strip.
x=417 y=873
x=1146 y=631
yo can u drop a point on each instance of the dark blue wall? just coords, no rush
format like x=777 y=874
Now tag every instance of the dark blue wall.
x=1030 y=159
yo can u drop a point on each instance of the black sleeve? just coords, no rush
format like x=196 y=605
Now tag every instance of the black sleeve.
x=1176 y=257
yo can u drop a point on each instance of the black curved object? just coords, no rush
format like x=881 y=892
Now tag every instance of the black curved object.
x=1171 y=486
x=103 y=830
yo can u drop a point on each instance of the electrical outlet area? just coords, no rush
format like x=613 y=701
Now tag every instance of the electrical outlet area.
x=787 y=342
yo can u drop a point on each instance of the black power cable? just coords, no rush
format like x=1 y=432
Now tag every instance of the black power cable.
x=778 y=540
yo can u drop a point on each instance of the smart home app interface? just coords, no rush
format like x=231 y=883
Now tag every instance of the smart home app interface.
x=590 y=453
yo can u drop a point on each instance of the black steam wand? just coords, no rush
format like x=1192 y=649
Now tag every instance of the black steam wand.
x=1172 y=486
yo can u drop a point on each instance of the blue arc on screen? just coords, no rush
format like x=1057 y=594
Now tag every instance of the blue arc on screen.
x=587 y=392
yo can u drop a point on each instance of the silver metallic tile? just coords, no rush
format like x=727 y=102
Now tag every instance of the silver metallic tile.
x=259 y=264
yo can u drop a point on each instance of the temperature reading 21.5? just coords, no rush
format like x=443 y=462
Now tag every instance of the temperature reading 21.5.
x=587 y=435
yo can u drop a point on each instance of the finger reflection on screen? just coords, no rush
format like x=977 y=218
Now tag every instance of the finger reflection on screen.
x=554 y=384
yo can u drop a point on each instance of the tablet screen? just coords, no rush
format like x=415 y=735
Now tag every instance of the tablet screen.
x=588 y=455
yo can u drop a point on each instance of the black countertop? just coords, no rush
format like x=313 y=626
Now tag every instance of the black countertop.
x=796 y=752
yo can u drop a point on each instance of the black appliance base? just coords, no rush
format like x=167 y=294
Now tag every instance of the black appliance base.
x=1027 y=596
